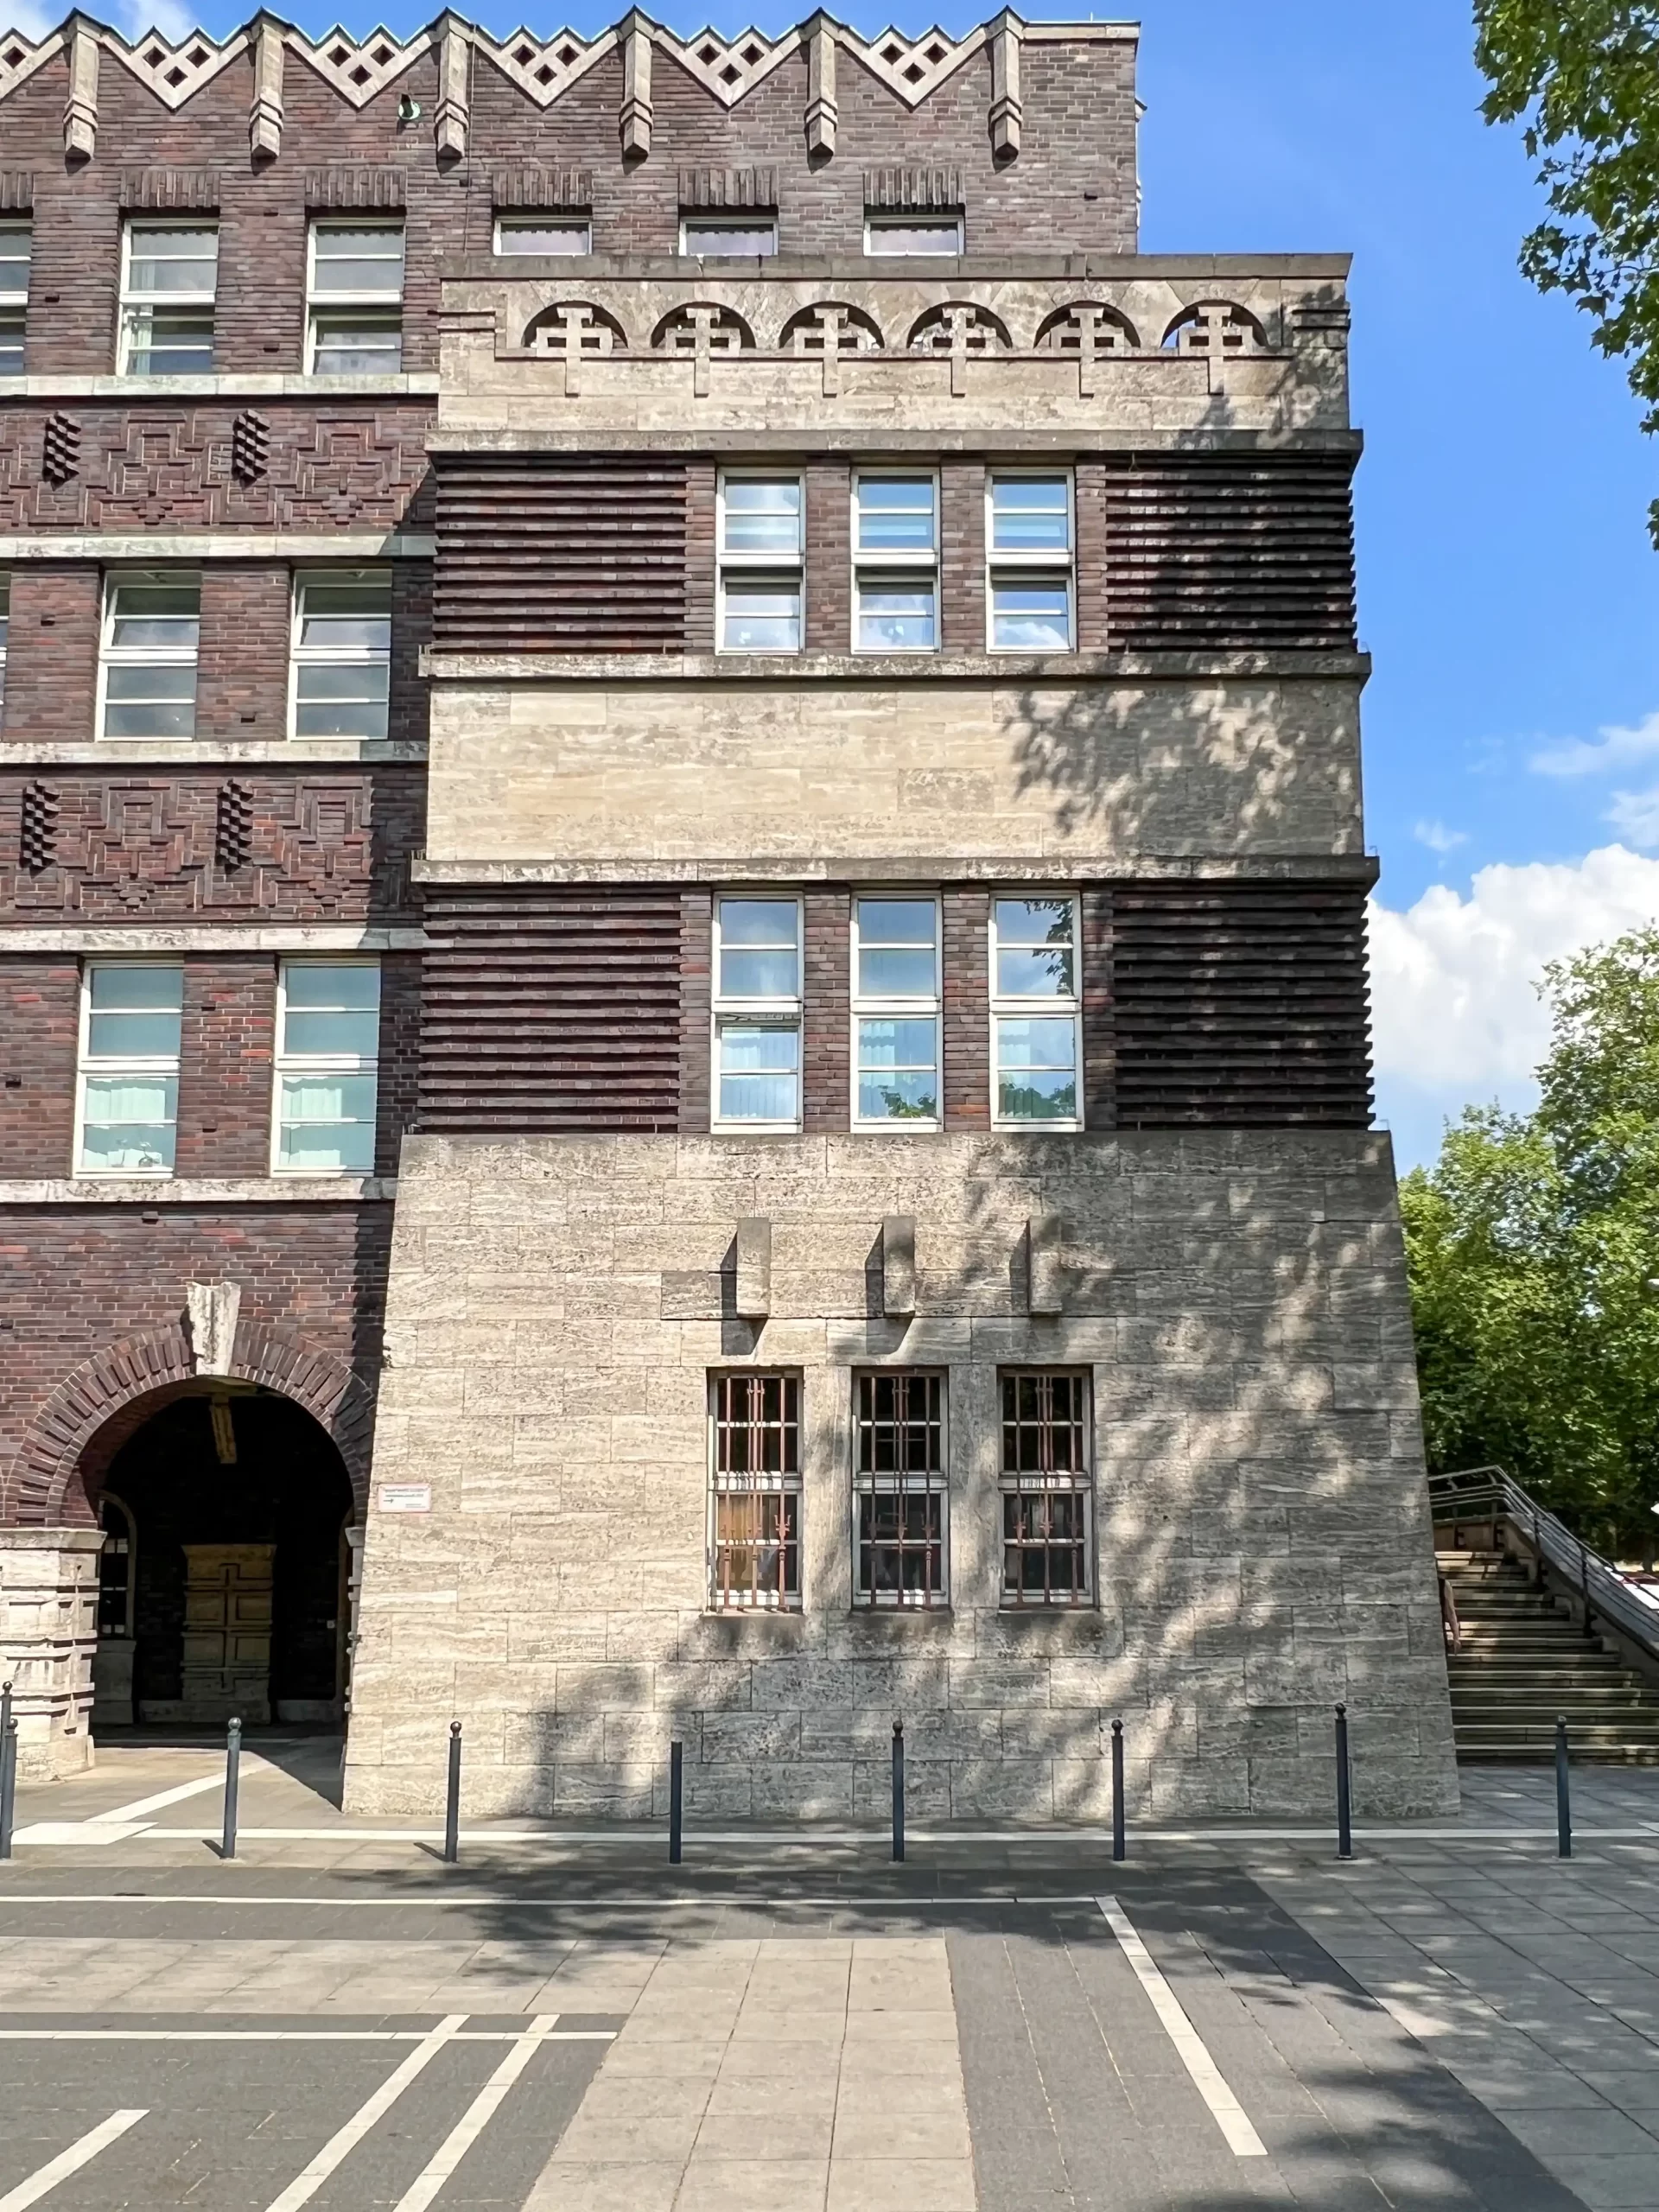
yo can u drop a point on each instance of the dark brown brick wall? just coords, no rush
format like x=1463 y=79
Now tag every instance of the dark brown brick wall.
x=826 y=1020
x=227 y=1041
x=829 y=556
x=701 y=479
x=242 y=671
x=332 y=844
x=51 y=656
x=1094 y=625
x=1099 y=1043
x=967 y=1007
x=158 y=463
x=39 y=1014
x=696 y=952
x=961 y=546
x=77 y=1279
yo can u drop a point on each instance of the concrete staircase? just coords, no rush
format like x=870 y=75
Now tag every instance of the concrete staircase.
x=1522 y=1660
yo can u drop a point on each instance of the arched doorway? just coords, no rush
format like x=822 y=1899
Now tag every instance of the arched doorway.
x=223 y=1577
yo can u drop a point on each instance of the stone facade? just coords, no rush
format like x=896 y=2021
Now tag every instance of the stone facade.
x=1263 y=1545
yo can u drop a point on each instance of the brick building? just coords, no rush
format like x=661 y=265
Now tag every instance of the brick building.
x=682 y=898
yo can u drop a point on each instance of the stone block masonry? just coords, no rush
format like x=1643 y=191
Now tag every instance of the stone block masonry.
x=556 y=1308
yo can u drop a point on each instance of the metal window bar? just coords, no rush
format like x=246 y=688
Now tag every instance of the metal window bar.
x=757 y=1492
x=1490 y=1493
x=1046 y=1489
x=900 y=1485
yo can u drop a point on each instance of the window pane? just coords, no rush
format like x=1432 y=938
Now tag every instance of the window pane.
x=1030 y=514
x=353 y=345
x=762 y=618
x=160 y=987
x=319 y=1146
x=897 y=1075
x=132 y=1036
x=16 y=240
x=541 y=234
x=11 y=343
x=896 y=618
x=113 y=1142
x=328 y=1098
x=711 y=238
x=1033 y=617
x=1036 y=1071
x=154 y=702
x=349 y=260
x=760 y=1073
x=338 y=1035
x=155 y=618
x=895 y=514
x=915 y=237
x=169 y=343
x=174 y=260
x=759 y=949
x=1035 y=947
x=353 y=612
x=331 y=984
x=763 y=514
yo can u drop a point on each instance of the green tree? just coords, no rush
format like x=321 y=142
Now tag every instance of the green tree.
x=1582 y=77
x=1533 y=1251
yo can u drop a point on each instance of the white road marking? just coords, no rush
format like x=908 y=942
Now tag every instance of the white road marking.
x=1229 y=2114
x=305 y=2185
x=291 y=2035
x=454 y=1900
x=70 y=2161
x=477 y=2117
x=78 y=1832
x=141 y=1808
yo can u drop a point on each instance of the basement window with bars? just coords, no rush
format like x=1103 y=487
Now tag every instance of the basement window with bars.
x=1028 y=539
x=755 y=1506
x=1047 y=1489
x=899 y=1500
x=341 y=653
x=169 y=278
x=896 y=564
x=760 y=545
x=1035 y=1013
x=147 y=670
x=757 y=1014
x=896 y=1013
x=127 y=1095
x=327 y=1062
x=354 y=299
x=16 y=241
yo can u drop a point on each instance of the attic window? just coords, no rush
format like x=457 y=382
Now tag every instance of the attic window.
x=524 y=55
x=12 y=56
x=153 y=60
x=339 y=55
x=383 y=54
x=569 y=53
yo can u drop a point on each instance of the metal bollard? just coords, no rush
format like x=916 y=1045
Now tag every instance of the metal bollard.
x=451 y=1799
x=1563 y=1793
x=898 y=1789
x=1344 y=1807
x=675 y=1785
x=233 y=1780
x=1117 y=1791
x=8 y=1772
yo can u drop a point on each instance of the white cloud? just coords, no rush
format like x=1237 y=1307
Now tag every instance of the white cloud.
x=1455 y=1015
x=1616 y=747
x=1635 y=815
x=1439 y=838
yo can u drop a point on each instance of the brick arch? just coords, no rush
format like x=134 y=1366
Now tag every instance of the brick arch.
x=110 y=1396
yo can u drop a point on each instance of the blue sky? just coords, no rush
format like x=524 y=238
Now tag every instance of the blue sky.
x=1507 y=587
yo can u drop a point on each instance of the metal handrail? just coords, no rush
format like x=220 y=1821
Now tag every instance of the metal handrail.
x=1472 y=1493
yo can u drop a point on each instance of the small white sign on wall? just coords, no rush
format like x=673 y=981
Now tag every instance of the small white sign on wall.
x=405 y=1497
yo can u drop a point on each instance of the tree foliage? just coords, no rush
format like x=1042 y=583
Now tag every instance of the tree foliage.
x=1582 y=77
x=1532 y=1250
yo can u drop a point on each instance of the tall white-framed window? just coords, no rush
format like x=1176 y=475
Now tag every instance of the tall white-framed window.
x=147 y=667
x=754 y=1502
x=1047 y=1488
x=895 y=563
x=758 y=974
x=354 y=298
x=341 y=663
x=1028 y=552
x=727 y=237
x=328 y=1060
x=900 y=1490
x=127 y=1090
x=525 y=231
x=760 y=534
x=1036 y=1012
x=16 y=240
x=169 y=279
x=5 y=632
x=912 y=236
x=896 y=992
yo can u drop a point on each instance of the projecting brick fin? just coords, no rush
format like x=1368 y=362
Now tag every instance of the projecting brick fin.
x=545 y=555
x=551 y=1011
x=1206 y=552
x=1240 y=1006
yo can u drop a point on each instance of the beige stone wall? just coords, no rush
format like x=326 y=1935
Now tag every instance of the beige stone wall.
x=1083 y=776
x=48 y=1629
x=1264 y=1544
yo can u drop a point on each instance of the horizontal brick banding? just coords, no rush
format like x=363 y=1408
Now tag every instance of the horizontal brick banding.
x=342 y=187
x=1240 y=1006
x=196 y=189
x=721 y=188
x=544 y=188
x=1208 y=551
x=552 y=1010
x=540 y=554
